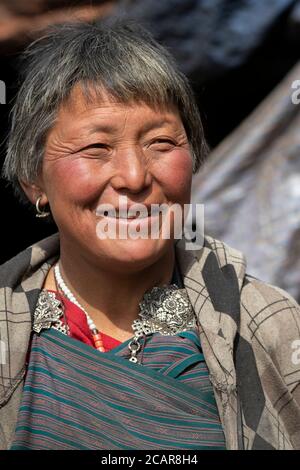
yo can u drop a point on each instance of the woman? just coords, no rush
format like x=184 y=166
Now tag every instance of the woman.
x=130 y=342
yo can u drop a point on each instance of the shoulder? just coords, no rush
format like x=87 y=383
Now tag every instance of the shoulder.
x=268 y=303
x=14 y=271
x=270 y=317
x=264 y=306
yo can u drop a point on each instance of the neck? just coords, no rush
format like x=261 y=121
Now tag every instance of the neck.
x=112 y=298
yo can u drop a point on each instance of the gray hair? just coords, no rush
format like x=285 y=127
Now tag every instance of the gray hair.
x=119 y=56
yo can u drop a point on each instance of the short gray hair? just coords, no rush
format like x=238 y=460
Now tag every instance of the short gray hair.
x=119 y=56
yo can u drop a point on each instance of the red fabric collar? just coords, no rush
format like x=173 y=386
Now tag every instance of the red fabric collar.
x=78 y=326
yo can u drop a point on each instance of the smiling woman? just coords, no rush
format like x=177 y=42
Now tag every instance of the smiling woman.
x=102 y=149
x=120 y=342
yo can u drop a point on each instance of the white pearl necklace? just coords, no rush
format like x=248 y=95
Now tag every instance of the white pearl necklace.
x=61 y=283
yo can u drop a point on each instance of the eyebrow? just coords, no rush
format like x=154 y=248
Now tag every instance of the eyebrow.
x=109 y=129
x=102 y=128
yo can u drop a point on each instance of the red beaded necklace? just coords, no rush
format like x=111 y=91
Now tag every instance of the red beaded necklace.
x=61 y=285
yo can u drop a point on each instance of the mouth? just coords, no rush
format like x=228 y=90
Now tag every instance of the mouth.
x=131 y=213
x=137 y=221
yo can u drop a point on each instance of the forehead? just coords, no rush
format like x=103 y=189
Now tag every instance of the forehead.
x=89 y=103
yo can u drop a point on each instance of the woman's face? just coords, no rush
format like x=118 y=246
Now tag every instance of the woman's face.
x=98 y=151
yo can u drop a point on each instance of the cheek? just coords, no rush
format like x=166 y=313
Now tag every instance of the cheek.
x=78 y=181
x=176 y=176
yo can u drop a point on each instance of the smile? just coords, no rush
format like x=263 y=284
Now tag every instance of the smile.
x=130 y=214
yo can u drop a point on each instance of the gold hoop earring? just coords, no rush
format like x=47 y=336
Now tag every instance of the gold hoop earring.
x=40 y=213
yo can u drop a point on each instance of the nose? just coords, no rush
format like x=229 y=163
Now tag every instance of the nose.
x=131 y=171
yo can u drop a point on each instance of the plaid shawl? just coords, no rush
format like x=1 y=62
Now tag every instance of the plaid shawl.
x=250 y=332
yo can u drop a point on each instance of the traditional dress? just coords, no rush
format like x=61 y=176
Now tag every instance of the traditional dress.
x=248 y=335
x=76 y=397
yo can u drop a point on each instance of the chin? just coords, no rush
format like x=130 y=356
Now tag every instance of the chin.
x=134 y=255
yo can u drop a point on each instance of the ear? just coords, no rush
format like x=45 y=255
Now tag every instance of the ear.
x=33 y=191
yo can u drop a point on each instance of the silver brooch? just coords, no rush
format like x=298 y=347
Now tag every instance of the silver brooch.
x=47 y=312
x=166 y=310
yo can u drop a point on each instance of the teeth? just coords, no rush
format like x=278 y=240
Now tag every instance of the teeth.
x=134 y=215
x=124 y=214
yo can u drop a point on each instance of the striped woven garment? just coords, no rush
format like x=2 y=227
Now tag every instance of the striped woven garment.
x=78 y=398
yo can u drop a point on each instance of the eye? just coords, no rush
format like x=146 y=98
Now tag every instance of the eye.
x=162 y=144
x=94 y=146
x=95 y=150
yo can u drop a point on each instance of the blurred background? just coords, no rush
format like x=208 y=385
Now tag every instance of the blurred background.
x=241 y=57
